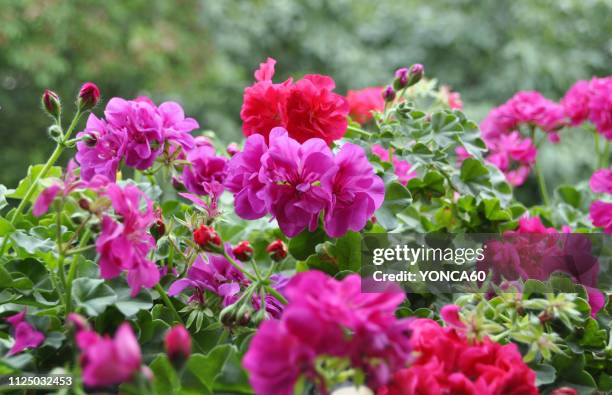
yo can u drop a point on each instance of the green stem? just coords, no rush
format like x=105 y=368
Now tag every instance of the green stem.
x=78 y=250
x=276 y=294
x=168 y=302
x=238 y=267
x=43 y=173
x=359 y=131
x=72 y=269
x=542 y=184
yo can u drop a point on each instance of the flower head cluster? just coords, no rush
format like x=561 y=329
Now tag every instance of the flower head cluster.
x=401 y=167
x=307 y=108
x=109 y=361
x=218 y=276
x=26 y=336
x=601 y=211
x=124 y=242
x=296 y=182
x=591 y=100
x=448 y=363
x=133 y=131
x=514 y=156
x=327 y=318
x=206 y=172
x=363 y=101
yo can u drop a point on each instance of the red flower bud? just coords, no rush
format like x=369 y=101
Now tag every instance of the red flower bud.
x=243 y=251
x=564 y=391
x=178 y=345
x=401 y=78
x=388 y=93
x=51 y=103
x=277 y=250
x=89 y=96
x=416 y=73
x=158 y=229
x=207 y=238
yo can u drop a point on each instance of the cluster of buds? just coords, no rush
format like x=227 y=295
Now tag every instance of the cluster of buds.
x=158 y=229
x=404 y=78
x=207 y=238
x=277 y=250
x=178 y=345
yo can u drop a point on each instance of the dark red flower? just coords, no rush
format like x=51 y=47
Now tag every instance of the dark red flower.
x=243 y=251
x=277 y=250
x=207 y=238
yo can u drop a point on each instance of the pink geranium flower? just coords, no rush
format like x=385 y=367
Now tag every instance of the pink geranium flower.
x=206 y=172
x=600 y=105
x=576 y=102
x=401 y=167
x=363 y=102
x=26 y=336
x=292 y=174
x=356 y=191
x=109 y=361
x=601 y=215
x=100 y=149
x=307 y=109
x=601 y=181
x=124 y=245
x=514 y=156
x=326 y=317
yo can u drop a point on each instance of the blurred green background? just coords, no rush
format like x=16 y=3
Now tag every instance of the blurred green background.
x=203 y=53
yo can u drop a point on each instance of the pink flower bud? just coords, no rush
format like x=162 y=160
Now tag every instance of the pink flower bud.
x=178 y=345
x=564 y=391
x=232 y=149
x=388 y=93
x=416 y=73
x=51 y=103
x=89 y=96
x=401 y=78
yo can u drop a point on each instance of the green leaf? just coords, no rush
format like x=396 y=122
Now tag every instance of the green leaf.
x=202 y=370
x=397 y=198
x=472 y=169
x=5 y=227
x=545 y=374
x=348 y=252
x=129 y=305
x=93 y=295
x=3 y=193
x=33 y=172
x=303 y=245
x=31 y=244
x=569 y=195
x=166 y=380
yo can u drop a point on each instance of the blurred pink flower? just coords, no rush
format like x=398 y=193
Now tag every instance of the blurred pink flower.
x=601 y=181
x=401 y=167
x=363 y=101
x=26 y=336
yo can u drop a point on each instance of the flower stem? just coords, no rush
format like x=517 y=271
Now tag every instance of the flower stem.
x=73 y=267
x=238 y=267
x=43 y=173
x=542 y=184
x=276 y=294
x=168 y=302
x=359 y=131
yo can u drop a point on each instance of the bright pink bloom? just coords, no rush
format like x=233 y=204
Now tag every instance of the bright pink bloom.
x=292 y=174
x=576 y=102
x=125 y=245
x=109 y=361
x=356 y=191
x=308 y=108
x=326 y=317
x=401 y=167
x=363 y=101
x=601 y=215
x=26 y=336
x=524 y=108
x=600 y=105
x=100 y=149
x=452 y=98
x=44 y=200
x=601 y=181
x=205 y=174
x=450 y=364
x=242 y=178
x=533 y=225
x=514 y=156
x=177 y=128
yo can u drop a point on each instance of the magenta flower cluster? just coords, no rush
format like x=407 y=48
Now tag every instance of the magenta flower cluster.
x=591 y=100
x=328 y=318
x=133 y=131
x=296 y=182
x=601 y=211
x=512 y=153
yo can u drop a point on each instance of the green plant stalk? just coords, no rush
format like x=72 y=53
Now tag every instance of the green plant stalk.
x=43 y=173
x=542 y=184
x=72 y=270
x=276 y=294
x=168 y=303
x=237 y=266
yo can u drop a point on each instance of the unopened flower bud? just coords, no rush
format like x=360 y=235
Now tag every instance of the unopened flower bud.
x=388 y=94
x=277 y=250
x=88 y=97
x=564 y=391
x=78 y=322
x=178 y=345
x=232 y=149
x=51 y=103
x=243 y=251
x=416 y=73
x=401 y=78
x=158 y=229
x=84 y=204
x=207 y=238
